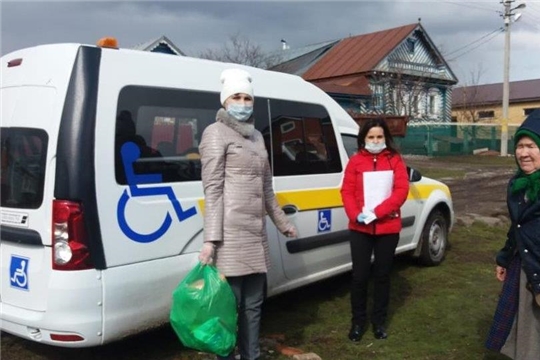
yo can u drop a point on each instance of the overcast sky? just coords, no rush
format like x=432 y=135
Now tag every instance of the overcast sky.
x=464 y=31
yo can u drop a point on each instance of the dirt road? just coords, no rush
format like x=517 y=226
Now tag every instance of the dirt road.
x=482 y=188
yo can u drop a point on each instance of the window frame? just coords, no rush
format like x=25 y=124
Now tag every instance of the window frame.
x=26 y=172
x=143 y=101
x=486 y=114
x=528 y=111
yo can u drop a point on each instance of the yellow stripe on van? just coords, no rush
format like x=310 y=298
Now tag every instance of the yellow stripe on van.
x=305 y=200
x=311 y=199
x=422 y=191
x=201 y=205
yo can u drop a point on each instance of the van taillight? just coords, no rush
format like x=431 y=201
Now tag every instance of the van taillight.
x=70 y=250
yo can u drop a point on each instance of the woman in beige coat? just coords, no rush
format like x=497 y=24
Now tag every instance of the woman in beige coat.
x=238 y=191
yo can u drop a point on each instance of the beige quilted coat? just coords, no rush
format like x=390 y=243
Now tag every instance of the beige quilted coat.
x=238 y=193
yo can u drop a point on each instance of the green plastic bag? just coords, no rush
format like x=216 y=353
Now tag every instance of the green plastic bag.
x=203 y=312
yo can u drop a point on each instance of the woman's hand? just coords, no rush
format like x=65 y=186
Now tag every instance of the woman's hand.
x=291 y=232
x=500 y=272
x=206 y=256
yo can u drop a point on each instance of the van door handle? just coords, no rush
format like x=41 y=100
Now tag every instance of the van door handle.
x=289 y=209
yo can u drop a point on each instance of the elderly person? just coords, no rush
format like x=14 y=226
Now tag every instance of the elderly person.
x=238 y=191
x=515 y=331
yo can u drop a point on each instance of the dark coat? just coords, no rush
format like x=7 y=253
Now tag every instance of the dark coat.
x=523 y=237
x=524 y=234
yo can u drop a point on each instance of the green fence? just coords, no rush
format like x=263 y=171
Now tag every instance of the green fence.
x=443 y=139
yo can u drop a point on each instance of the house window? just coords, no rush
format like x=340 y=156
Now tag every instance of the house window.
x=432 y=104
x=398 y=101
x=410 y=45
x=528 y=111
x=486 y=114
x=377 y=101
x=415 y=103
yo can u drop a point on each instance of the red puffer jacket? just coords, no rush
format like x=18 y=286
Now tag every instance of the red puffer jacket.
x=352 y=192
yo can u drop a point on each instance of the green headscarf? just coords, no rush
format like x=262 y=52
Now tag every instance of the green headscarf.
x=528 y=182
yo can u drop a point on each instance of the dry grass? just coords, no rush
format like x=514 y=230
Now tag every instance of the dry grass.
x=436 y=313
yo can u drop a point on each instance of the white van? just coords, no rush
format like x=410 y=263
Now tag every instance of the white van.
x=101 y=198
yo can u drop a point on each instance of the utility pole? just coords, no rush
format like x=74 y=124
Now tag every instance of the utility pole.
x=506 y=79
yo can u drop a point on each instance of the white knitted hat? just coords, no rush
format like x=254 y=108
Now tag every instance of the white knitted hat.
x=235 y=81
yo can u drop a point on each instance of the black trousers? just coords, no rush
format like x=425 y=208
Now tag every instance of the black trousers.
x=383 y=248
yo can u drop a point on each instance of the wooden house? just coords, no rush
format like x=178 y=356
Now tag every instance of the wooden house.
x=397 y=73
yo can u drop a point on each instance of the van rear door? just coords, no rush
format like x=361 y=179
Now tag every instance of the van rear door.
x=25 y=218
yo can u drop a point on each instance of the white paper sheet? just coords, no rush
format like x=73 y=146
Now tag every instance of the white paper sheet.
x=377 y=187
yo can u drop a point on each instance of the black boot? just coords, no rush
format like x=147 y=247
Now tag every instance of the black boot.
x=379 y=332
x=356 y=332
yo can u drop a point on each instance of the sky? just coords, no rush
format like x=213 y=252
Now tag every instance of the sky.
x=468 y=33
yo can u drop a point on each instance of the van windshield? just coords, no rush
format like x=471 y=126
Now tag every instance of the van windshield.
x=22 y=174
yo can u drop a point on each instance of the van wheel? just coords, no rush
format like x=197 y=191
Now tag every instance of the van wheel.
x=434 y=239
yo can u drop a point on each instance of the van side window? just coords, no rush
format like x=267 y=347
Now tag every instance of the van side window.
x=303 y=139
x=166 y=125
x=351 y=144
x=24 y=153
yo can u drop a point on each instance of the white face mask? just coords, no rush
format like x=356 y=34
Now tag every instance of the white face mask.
x=240 y=112
x=375 y=148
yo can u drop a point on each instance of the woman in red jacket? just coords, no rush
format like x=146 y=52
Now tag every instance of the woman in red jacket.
x=375 y=186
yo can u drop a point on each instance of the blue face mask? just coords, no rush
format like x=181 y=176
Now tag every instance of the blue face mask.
x=240 y=112
x=375 y=148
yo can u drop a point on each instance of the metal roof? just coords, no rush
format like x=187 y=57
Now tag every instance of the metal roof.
x=152 y=44
x=358 y=54
x=520 y=91
x=290 y=54
x=356 y=86
x=301 y=59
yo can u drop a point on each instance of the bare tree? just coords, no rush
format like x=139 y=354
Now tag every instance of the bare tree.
x=469 y=98
x=240 y=50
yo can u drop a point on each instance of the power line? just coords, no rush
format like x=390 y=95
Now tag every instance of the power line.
x=468 y=5
x=531 y=16
x=534 y=25
x=482 y=43
x=531 y=7
x=473 y=42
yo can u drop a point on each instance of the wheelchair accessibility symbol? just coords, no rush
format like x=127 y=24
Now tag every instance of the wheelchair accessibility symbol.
x=18 y=272
x=325 y=220
x=130 y=153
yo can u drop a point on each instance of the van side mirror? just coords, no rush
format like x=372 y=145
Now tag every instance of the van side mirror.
x=414 y=175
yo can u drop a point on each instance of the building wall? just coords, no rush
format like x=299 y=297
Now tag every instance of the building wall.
x=516 y=112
